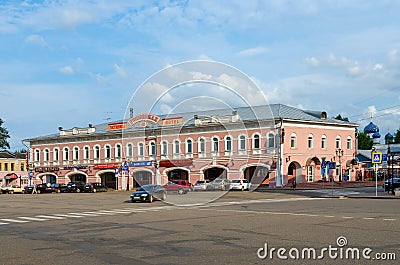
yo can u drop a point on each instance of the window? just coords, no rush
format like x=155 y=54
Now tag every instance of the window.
x=12 y=167
x=323 y=142
x=86 y=152
x=164 y=148
x=189 y=146
x=22 y=167
x=271 y=140
x=242 y=142
x=107 y=152
x=96 y=154
x=215 y=141
x=256 y=141
x=46 y=155
x=118 y=151
x=141 y=149
x=202 y=145
x=5 y=166
x=349 y=143
x=37 y=155
x=228 y=144
x=56 y=154
x=66 y=154
x=177 y=148
x=129 y=150
x=338 y=142
x=293 y=141
x=310 y=141
x=152 y=148
x=76 y=153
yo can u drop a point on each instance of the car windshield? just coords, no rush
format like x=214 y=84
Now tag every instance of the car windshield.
x=146 y=188
x=200 y=182
x=236 y=181
x=218 y=181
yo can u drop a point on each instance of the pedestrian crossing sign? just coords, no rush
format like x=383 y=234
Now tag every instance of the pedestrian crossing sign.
x=376 y=157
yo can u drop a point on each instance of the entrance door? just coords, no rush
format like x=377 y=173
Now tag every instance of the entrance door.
x=214 y=173
x=256 y=174
x=178 y=174
x=141 y=178
x=108 y=179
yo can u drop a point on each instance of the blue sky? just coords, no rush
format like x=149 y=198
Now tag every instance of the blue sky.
x=71 y=63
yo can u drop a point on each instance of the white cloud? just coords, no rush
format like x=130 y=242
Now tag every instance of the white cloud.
x=312 y=61
x=372 y=110
x=378 y=67
x=68 y=70
x=37 y=40
x=120 y=71
x=252 y=51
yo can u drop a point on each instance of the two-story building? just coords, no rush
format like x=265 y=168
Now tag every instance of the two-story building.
x=13 y=169
x=271 y=147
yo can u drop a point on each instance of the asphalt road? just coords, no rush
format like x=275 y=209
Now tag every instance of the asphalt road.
x=106 y=228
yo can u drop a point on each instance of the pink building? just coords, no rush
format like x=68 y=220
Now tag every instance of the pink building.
x=265 y=144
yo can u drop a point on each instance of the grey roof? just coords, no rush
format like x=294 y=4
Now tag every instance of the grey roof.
x=264 y=112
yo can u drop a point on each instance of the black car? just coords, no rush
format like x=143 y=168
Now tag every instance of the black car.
x=149 y=193
x=94 y=187
x=29 y=189
x=392 y=184
x=77 y=186
x=44 y=188
x=59 y=187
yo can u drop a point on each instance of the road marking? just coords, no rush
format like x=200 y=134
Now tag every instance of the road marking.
x=389 y=219
x=4 y=223
x=347 y=217
x=368 y=218
x=33 y=219
x=84 y=214
x=329 y=216
x=51 y=217
x=14 y=221
x=68 y=215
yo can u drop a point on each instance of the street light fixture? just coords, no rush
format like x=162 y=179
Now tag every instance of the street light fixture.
x=339 y=154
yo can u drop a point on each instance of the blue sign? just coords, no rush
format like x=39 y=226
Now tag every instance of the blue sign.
x=377 y=157
x=116 y=171
x=30 y=174
x=332 y=165
x=384 y=157
x=141 y=164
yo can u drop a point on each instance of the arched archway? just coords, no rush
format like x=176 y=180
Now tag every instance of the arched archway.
x=255 y=173
x=107 y=178
x=177 y=173
x=142 y=177
x=47 y=177
x=77 y=176
x=214 y=172
x=294 y=172
x=311 y=164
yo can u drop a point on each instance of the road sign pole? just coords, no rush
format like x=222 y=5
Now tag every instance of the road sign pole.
x=376 y=180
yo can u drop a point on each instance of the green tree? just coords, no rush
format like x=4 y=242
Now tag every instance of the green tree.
x=397 y=137
x=339 y=117
x=364 y=142
x=3 y=136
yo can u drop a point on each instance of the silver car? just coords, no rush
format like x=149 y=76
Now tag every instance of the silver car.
x=220 y=184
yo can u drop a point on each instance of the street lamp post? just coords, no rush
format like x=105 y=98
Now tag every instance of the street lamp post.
x=339 y=154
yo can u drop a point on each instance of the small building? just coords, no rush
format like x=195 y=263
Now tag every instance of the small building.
x=13 y=169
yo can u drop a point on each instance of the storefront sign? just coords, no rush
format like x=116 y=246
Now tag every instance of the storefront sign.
x=172 y=121
x=143 y=120
x=46 y=169
x=141 y=164
x=176 y=163
x=106 y=166
x=116 y=126
x=77 y=167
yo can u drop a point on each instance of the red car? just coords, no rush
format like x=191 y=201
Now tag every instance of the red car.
x=179 y=186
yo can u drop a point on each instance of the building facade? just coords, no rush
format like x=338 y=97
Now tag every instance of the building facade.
x=271 y=144
x=13 y=168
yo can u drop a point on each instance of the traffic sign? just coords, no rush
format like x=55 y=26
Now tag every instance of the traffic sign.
x=30 y=174
x=376 y=157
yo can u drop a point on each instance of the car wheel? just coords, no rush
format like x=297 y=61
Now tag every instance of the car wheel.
x=150 y=199
x=58 y=191
x=11 y=192
x=132 y=200
x=78 y=190
x=164 y=196
x=94 y=190
x=38 y=191
x=180 y=191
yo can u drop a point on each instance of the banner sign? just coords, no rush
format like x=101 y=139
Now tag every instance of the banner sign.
x=106 y=166
x=116 y=126
x=176 y=163
x=141 y=164
x=172 y=121
x=143 y=120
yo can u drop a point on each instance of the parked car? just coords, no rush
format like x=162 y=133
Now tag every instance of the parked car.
x=391 y=184
x=94 y=187
x=44 y=188
x=59 y=187
x=10 y=189
x=240 y=184
x=178 y=186
x=149 y=193
x=77 y=186
x=29 y=188
x=220 y=184
x=201 y=185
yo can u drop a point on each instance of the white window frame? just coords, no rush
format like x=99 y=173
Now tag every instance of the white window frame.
x=75 y=156
x=86 y=154
x=201 y=146
x=323 y=142
x=213 y=146
x=140 y=151
x=164 y=149
x=338 y=142
x=310 y=141
x=129 y=150
x=65 y=155
x=256 y=137
x=242 y=140
x=228 y=145
x=56 y=156
x=271 y=140
x=293 y=141
x=349 y=143
x=176 y=148
x=96 y=153
x=107 y=153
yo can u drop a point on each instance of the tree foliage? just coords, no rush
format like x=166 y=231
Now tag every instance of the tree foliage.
x=3 y=136
x=397 y=137
x=339 y=117
x=364 y=142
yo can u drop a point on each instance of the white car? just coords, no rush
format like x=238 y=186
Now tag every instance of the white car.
x=201 y=185
x=240 y=184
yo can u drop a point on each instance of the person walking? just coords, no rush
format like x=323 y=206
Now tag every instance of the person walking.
x=294 y=184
